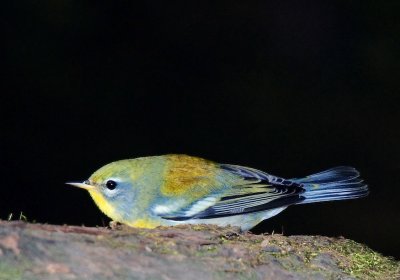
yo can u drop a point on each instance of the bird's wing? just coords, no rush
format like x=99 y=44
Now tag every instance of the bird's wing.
x=250 y=191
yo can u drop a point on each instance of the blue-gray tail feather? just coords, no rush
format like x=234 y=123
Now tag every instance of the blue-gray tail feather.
x=338 y=183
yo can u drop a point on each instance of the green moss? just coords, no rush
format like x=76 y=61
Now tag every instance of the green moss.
x=8 y=271
x=15 y=269
x=353 y=258
x=198 y=227
x=118 y=244
x=309 y=255
x=206 y=250
x=364 y=263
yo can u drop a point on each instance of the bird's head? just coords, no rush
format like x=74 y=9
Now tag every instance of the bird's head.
x=112 y=188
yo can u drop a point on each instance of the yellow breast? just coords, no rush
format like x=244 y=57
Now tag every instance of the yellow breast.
x=104 y=205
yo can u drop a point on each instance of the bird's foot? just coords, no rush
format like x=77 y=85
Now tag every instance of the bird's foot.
x=114 y=225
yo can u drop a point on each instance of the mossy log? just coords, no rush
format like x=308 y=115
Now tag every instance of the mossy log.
x=38 y=251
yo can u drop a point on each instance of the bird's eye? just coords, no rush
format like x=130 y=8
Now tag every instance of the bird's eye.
x=111 y=185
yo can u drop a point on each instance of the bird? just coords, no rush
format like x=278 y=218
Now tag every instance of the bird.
x=175 y=189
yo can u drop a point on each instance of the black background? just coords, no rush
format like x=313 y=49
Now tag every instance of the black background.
x=288 y=87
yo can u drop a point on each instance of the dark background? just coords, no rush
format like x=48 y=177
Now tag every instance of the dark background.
x=290 y=88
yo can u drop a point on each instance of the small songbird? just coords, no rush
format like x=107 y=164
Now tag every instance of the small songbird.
x=178 y=189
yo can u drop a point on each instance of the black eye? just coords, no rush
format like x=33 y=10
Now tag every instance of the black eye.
x=111 y=185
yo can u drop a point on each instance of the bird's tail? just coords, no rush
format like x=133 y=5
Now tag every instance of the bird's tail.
x=338 y=183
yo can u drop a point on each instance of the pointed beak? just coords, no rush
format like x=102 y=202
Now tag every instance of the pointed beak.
x=81 y=185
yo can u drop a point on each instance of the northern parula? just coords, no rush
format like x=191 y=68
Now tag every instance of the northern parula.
x=170 y=190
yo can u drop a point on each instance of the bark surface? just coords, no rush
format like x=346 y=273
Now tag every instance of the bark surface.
x=38 y=251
